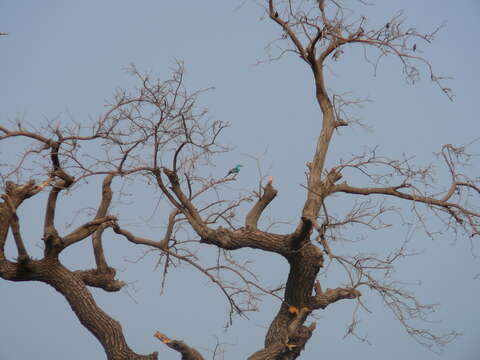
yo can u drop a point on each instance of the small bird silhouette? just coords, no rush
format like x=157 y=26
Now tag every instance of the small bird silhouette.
x=235 y=170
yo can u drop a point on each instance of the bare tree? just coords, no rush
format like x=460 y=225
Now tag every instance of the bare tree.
x=158 y=135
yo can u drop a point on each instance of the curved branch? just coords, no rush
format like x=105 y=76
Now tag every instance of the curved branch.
x=86 y=230
x=393 y=191
x=5 y=219
x=35 y=136
x=14 y=196
x=101 y=279
x=168 y=234
x=269 y=193
x=322 y=299
x=97 y=235
x=275 y=17
x=17 y=236
x=50 y=234
x=188 y=353
x=107 y=330
x=15 y=226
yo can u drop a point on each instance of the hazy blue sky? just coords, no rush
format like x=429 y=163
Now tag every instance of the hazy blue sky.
x=63 y=59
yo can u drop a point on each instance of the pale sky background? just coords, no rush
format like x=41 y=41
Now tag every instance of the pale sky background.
x=63 y=59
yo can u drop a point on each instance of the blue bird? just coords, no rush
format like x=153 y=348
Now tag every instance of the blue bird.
x=235 y=170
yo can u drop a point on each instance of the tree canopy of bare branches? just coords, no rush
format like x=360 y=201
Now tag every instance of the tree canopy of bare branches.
x=157 y=134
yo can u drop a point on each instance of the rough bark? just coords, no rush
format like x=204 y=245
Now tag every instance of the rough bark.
x=72 y=285
x=107 y=330
x=253 y=216
x=187 y=352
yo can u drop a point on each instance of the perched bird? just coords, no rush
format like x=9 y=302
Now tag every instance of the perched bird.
x=414 y=47
x=235 y=170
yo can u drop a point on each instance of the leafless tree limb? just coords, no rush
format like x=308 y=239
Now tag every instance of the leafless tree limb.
x=187 y=352
x=268 y=195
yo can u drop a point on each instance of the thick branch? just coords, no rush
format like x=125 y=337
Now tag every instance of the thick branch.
x=17 y=236
x=106 y=197
x=102 y=212
x=107 y=330
x=15 y=226
x=86 y=230
x=98 y=249
x=104 y=280
x=224 y=238
x=269 y=194
x=14 y=196
x=5 y=218
x=170 y=226
x=256 y=239
x=50 y=234
x=322 y=299
x=188 y=353
x=18 y=193
x=301 y=235
x=98 y=224
x=318 y=188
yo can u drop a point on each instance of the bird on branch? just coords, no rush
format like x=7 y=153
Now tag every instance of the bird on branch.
x=234 y=170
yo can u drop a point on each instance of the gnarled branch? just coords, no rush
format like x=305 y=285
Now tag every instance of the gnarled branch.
x=101 y=279
x=269 y=193
x=188 y=353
